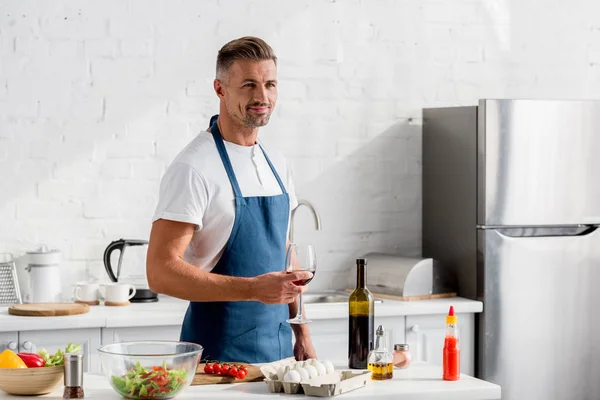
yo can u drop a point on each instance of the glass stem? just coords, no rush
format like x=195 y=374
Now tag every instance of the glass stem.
x=299 y=316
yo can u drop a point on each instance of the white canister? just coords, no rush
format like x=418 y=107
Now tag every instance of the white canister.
x=44 y=275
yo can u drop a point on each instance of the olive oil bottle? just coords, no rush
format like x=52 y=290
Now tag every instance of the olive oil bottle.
x=362 y=313
x=380 y=359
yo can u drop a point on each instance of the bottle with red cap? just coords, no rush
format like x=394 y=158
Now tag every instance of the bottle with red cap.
x=451 y=363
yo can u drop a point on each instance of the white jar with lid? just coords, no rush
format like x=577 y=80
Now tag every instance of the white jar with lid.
x=44 y=275
x=402 y=357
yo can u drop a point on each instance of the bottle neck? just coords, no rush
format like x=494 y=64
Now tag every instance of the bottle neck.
x=360 y=276
x=379 y=342
x=451 y=330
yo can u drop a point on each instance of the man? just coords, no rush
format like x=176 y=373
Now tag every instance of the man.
x=219 y=234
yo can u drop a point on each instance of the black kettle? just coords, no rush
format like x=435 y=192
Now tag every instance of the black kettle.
x=143 y=293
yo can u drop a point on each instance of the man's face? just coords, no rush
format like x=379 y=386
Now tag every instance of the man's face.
x=250 y=91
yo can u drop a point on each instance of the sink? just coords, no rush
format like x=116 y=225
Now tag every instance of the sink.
x=328 y=297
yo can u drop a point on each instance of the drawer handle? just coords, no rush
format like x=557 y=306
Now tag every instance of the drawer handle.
x=415 y=328
x=12 y=345
x=27 y=345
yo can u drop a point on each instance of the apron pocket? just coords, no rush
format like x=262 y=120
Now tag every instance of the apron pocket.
x=285 y=341
x=241 y=348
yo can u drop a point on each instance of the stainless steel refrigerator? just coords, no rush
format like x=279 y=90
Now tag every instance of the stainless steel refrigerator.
x=511 y=204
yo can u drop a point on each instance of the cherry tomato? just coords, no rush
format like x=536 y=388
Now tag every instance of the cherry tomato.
x=225 y=369
x=209 y=369
x=241 y=374
x=243 y=368
x=217 y=368
x=233 y=371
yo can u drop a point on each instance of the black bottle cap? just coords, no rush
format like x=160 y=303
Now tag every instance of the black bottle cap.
x=362 y=261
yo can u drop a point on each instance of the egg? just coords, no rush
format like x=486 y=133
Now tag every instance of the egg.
x=281 y=372
x=321 y=370
x=312 y=371
x=292 y=376
x=328 y=366
x=304 y=375
x=300 y=364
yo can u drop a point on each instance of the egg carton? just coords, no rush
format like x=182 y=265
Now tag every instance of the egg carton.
x=331 y=384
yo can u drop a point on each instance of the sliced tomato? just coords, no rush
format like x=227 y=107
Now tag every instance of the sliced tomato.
x=147 y=374
x=161 y=380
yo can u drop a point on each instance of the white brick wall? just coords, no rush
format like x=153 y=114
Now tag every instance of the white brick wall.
x=97 y=97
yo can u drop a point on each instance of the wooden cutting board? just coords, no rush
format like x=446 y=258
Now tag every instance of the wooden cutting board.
x=254 y=375
x=48 y=309
x=410 y=298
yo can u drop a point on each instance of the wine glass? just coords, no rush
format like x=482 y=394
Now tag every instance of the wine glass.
x=300 y=258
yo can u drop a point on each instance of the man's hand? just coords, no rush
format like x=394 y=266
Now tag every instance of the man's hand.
x=278 y=287
x=303 y=348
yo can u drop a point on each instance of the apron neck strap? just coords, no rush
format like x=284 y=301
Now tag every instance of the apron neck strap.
x=273 y=169
x=214 y=129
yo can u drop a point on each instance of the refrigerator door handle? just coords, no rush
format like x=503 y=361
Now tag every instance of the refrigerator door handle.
x=541 y=231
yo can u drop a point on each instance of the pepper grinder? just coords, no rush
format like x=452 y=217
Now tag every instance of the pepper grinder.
x=73 y=376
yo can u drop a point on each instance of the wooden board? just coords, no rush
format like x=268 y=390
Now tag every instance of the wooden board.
x=410 y=298
x=48 y=309
x=254 y=375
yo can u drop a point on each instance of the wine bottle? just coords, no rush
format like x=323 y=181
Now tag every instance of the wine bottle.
x=362 y=312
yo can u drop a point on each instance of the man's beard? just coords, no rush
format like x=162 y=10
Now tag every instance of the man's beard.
x=251 y=121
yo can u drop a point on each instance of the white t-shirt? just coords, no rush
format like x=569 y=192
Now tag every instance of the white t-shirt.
x=196 y=189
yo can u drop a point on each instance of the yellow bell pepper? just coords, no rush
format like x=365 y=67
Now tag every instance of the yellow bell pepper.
x=8 y=359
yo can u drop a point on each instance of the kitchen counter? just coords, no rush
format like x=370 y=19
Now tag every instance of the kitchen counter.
x=170 y=311
x=419 y=382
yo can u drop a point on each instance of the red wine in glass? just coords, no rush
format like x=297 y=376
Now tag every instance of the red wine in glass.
x=304 y=282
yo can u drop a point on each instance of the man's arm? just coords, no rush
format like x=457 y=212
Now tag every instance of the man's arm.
x=169 y=274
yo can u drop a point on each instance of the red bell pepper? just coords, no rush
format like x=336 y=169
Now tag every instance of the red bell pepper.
x=32 y=360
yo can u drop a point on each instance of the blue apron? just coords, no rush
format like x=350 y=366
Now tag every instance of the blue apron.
x=246 y=331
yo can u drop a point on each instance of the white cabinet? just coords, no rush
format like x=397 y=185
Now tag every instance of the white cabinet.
x=330 y=339
x=89 y=339
x=425 y=336
x=9 y=340
x=394 y=330
x=134 y=334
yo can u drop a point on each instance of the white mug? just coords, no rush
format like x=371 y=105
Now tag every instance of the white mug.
x=87 y=292
x=117 y=292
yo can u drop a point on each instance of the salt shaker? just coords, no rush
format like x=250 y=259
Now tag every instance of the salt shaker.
x=402 y=356
x=73 y=376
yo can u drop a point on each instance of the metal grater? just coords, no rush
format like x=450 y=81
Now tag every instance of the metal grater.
x=9 y=284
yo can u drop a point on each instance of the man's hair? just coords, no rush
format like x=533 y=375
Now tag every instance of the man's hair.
x=246 y=48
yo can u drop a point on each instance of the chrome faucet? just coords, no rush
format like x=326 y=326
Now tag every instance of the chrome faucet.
x=314 y=212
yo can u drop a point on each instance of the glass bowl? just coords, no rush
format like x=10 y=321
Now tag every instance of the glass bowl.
x=150 y=369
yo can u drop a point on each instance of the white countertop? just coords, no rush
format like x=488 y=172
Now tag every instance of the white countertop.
x=419 y=382
x=170 y=311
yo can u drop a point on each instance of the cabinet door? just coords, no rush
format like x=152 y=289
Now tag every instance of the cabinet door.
x=394 y=330
x=89 y=339
x=330 y=338
x=9 y=340
x=134 y=334
x=425 y=336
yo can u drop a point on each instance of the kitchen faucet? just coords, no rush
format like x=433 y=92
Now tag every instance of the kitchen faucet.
x=314 y=212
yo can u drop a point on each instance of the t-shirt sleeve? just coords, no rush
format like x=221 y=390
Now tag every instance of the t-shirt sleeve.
x=183 y=195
